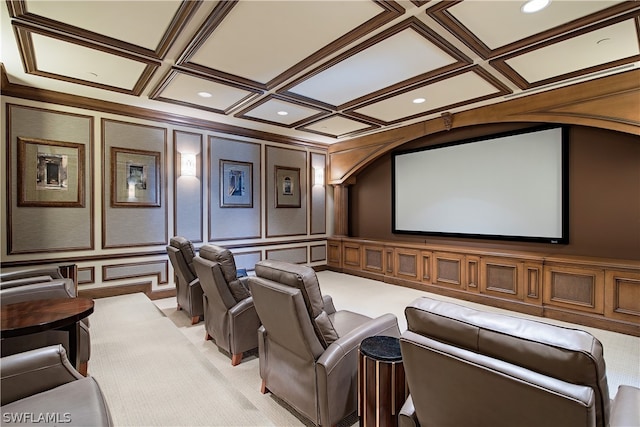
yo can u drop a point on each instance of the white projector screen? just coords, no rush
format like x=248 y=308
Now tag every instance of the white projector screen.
x=508 y=186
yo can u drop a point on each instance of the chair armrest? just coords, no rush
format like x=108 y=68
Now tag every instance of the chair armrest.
x=407 y=416
x=195 y=296
x=387 y=324
x=51 y=272
x=328 y=304
x=625 y=408
x=35 y=371
x=58 y=288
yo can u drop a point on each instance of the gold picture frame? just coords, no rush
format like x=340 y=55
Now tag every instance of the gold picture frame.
x=50 y=173
x=135 y=178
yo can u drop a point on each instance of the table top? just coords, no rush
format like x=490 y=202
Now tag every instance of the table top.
x=381 y=347
x=29 y=317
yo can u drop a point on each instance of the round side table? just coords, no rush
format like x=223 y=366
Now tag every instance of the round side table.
x=381 y=383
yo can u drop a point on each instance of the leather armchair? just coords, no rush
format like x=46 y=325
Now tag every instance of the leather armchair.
x=28 y=276
x=188 y=290
x=468 y=367
x=23 y=287
x=42 y=383
x=308 y=350
x=230 y=318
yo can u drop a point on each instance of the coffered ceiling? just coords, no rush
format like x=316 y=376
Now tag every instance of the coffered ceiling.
x=322 y=71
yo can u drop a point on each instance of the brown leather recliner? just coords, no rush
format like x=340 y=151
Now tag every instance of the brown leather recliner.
x=473 y=368
x=308 y=350
x=188 y=290
x=229 y=315
x=41 y=387
x=36 y=284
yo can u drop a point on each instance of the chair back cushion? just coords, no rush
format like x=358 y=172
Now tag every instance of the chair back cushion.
x=187 y=251
x=225 y=259
x=303 y=278
x=569 y=355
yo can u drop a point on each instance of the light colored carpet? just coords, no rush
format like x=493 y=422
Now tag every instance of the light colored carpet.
x=147 y=383
x=152 y=375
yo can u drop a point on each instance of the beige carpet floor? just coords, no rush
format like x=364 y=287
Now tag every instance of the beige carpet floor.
x=148 y=383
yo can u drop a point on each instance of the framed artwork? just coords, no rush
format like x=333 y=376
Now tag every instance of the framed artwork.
x=287 y=187
x=135 y=178
x=50 y=173
x=236 y=184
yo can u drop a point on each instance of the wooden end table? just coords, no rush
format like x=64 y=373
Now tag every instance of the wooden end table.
x=30 y=317
x=382 y=388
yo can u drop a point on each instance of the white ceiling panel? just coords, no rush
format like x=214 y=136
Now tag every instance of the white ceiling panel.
x=444 y=93
x=338 y=126
x=63 y=58
x=259 y=40
x=142 y=23
x=186 y=88
x=602 y=46
x=281 y=111
x=509 y=24
x=395 y=59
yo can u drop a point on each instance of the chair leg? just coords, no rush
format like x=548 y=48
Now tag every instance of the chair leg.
x=236 y=359
x=195 y=319
x=207 y=337
x=83 y=368
x=178 y=307
x=263 y=387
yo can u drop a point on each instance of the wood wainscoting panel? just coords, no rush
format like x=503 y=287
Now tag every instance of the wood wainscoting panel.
x=334 y=251
x=575 y=288
x=622 y=300
x=533 y=282
x=390 y=265
x=473 y=273
x=447 y=270
x=426 y=258
x=373 y=259
x=501 y=277
x=407 y=263
x=352 y=256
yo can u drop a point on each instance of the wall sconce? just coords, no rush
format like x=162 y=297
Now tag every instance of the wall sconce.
x=318 y=176
x=187 y=164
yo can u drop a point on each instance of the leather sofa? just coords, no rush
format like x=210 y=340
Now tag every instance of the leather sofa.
x=230 y=318
x=474 y=368
x=40 y=387
x=188 y=290
x=309 y=351
x=37 y=284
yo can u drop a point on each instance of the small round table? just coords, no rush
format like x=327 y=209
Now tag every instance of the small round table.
x=381 y=383
x=30 y=317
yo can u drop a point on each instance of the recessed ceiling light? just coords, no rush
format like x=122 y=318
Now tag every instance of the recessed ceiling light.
x=533 y=6
x=419 y=100
x=204 y=94
x=282 y=113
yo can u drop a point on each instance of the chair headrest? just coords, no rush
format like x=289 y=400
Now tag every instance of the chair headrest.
x=224 y=257
x=186 y=248
x=304 y=278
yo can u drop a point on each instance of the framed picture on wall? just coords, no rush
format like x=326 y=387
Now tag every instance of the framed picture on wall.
x=236 y=184
x=287 y=187
x=135 y=178
x=50 y=173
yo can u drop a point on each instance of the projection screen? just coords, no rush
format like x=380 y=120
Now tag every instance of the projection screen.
x=508 y=186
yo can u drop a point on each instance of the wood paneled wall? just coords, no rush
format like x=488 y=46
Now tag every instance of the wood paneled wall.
x=594 y=292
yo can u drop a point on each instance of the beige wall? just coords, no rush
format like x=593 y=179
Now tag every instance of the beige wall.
x=604 y=196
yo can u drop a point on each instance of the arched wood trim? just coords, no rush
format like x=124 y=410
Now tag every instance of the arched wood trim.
x=609 y=103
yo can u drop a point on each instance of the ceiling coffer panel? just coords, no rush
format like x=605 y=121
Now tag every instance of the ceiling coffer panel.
x=472 y=85
x=339 y=126
x=147 y=28
x=239 y=44
x=605 y=45
x=402 y=55
x=193 y=90
x=83 y=62
x=280 y=111
x=509 y=29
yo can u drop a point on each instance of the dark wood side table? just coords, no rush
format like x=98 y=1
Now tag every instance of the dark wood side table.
x=29 y=317
x=382 y=387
